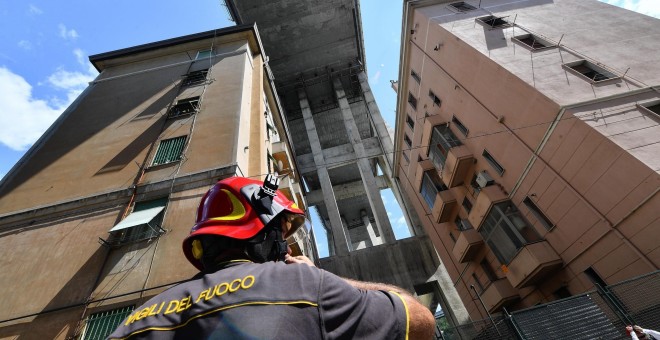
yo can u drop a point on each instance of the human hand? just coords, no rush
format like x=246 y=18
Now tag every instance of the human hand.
x=288 y=259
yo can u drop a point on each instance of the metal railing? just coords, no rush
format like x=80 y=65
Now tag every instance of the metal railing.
x=602 y=313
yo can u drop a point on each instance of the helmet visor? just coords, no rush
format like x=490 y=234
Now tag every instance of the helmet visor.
x=294 y=222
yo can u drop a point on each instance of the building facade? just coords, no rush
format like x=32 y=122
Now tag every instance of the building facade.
x=93 y=217
x=527 y=136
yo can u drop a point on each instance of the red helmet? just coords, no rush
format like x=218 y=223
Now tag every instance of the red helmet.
x=239 y=208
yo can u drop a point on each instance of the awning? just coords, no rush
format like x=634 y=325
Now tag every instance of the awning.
x=138 y=218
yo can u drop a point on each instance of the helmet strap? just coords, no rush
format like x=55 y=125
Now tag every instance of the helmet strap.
x=268 y=245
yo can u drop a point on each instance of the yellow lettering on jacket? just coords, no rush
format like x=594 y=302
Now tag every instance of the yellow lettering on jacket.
x=231 y=285
x=184 y=304
x=172 y=307
x=205 y=294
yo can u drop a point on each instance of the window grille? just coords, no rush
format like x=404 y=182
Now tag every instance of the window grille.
x=442 y=139
x=196 y=77
x=505 y=231
x=590 y=71
x=169 y=150
x=100 y=325
x=494 y=22
x=533 y=42
x=431 y=185
x=493 y=162
x=185 y=107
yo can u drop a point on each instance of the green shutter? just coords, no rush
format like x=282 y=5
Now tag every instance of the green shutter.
x=100 y=325
x=169 y=150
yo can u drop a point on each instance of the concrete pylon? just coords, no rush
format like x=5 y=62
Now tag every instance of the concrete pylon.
x=338 y=233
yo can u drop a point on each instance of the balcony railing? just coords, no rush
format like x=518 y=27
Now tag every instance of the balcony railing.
x=499 y=294
x=446 y=151
x=533 y=263
x=468 y=244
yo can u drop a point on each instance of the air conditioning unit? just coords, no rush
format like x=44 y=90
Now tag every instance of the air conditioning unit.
x=484 y=179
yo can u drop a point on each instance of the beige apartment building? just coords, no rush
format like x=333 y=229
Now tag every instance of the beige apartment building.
x=528 y=138
x=93 y=217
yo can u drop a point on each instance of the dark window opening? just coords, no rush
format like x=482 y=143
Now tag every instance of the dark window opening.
x=407 y=140
x=194 y=78
x=592 y=72
x=493 y=162
x=490 y=273
x=654 y=108
x=536 y=211
x=594 y=277
x=436 y=100
x=462 y=6
x=415 y=76
x=412 y=101
x=452 y=237
x=474 y=185
x=467 y=204
x=169 y=150
x=442 y=139
x=185 y=107
x=462 y=224
x=431 y=185
x=479 y=285
x=494 y=22
x=459 y=126
x=405 y=156
x=411 y=122
x=203 y=54
x=533 y=42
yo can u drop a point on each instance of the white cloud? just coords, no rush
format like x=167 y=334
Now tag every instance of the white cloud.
x=32 y=9
x=24 y=44
x=648 y=7
x=66 y=33
x=29 y=117
x=401 y=221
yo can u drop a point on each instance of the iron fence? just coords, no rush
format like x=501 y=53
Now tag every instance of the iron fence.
x=599 y=314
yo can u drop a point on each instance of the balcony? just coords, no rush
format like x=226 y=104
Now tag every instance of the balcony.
x=488 y=196
x=422 y=167
x=281 y=156
x=533 y=263
x=499 y=294
x=444 y=206
x=468 y=244
x=457 y=165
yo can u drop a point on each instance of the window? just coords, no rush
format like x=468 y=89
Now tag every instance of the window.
x=405 y=156
x=655 y=108
x=462 y=6
x=169 y=150
x=411 y=122
x=590 y=71
x=594 y=277
x=184 y=107
x=467 y=204
x=488 y=270
x=494 y=22
x=415 y=76
x=562 y=293
x=196 y=77
x=436 y=100
x=506 y=231
x=431 y=185
x=407 y=140
x=141 y=224
x=533 y=42
x=203 y=54
x=412 y=101
x=442 y=139
x=536 y=211
x=462 y=224
x=479 y=285
x=100 y=325
x=459 y=126
x=452 y=237
x=494 y=163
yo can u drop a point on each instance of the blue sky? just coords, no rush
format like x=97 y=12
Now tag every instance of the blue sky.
x=45 y=44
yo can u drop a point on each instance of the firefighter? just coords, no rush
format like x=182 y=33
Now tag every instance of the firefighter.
x=250 y=287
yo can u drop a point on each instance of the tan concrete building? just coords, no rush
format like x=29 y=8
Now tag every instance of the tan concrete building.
x=92 y=218
x=528 y=136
